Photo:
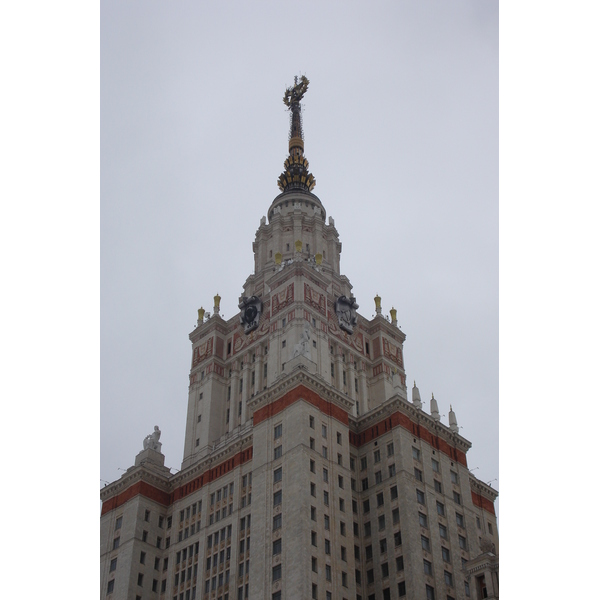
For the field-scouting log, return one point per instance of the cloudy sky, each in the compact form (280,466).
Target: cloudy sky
(401,131)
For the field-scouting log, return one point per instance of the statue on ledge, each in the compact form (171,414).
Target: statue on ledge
(151,441)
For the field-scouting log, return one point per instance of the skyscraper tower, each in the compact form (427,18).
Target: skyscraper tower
(307,472)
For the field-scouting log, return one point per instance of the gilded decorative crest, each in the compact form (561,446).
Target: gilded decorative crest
(345,309)
(294,94)
(251,309)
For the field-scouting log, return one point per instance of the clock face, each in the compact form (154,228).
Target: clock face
(250,314)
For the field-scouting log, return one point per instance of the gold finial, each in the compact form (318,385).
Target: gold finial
(201,312)
(319,258)
(298,245)
(294,94)
(393,313)
(217,302)
(278,258)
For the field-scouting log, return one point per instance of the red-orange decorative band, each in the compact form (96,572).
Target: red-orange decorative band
(166,499)
(300,392)
(397,418)
(479,500)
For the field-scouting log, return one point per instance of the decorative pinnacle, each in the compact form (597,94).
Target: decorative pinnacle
(296,174)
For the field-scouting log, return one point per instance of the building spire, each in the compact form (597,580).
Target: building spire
(296,175)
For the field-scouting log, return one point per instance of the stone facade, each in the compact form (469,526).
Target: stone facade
(307,472)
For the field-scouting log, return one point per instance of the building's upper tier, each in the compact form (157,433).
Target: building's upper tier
(296,231)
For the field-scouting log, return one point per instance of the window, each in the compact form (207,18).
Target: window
(365,484)
(276,596)
(366,506)
(478,522)
(376,456)
(422,520)
(363,463)
(392,470)
(395,516)
(324,430)
(324,452)
(340,482)
(277,572)
(453,477)
(437,485)
(116,543)
(429,592)
(118,523)
(390,449)
(314,591)
(344,581)
(277,547)
(445,554)
(344,554)
(399,563)
(467,589)
(427,567)
(277,498)
(418,475)
(379,499)
(277,431)
(313,538)
(111,586)
(370,576)
(448,578)
(420,497)
(369,552)
(378,477)
(312,466)
(462,542)
(381,522)
(277,474)
(435,465)
(397,538)
(326,498)
(313,513)
(314,564)
(385,572)
(325,475)
(140,580)
(394,492)
(338,436)
(311,422)
(276,522)
(368,529)
(113,565)
(313,490)
(327,547)
(402,589)
(277,452)
(456,497)
(416,453)
(460,520)
(443,532)
(312,443)
(425,543)
(343,528)
(383,546)
(490,529)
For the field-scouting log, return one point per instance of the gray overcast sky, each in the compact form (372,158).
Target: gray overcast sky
(401,131)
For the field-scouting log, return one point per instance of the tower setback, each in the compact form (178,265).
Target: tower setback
(307,472)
